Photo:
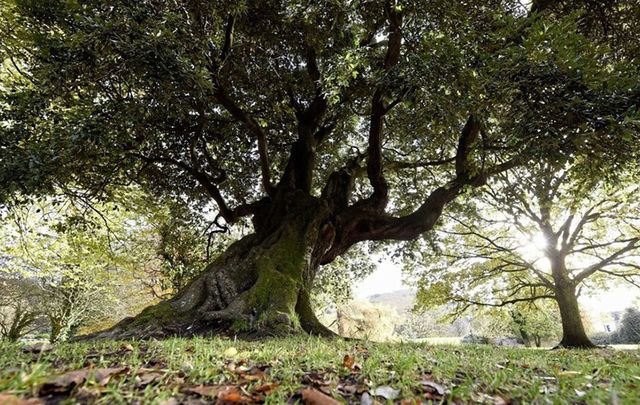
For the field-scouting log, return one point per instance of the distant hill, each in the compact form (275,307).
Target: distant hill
(400,300)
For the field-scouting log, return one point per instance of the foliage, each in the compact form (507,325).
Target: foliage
(83,263)
(532,229)
(18,316)
(534,325)
(177,96)
(381,112)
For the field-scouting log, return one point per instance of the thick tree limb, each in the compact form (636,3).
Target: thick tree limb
(298,173)
(588,217)
(228,40)
(255,129)
(469,136)
(362,222)
(230,215)
(375,167)
(236,111)
(502,303)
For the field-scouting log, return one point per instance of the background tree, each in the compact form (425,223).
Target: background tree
(18,309)
(539,235)
(327,123)
(75,264)
(629,329)
(364,320)
(534,325)
(180,244)
(431,323)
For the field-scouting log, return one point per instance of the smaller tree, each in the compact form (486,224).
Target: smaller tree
(533,324)
(78,262)
(540,233)
(72,301)
(431,323)
(18,310)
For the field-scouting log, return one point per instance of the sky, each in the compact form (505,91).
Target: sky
(386,278)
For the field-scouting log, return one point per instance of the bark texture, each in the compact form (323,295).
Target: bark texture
(261,284)
(573,332)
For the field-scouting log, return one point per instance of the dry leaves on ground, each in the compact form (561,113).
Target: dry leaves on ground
(312,396)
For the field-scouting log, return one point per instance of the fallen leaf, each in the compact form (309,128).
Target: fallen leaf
(411,402)
(127,347)
(348,361)
(103,375)
(311,396)
(348,389)
(169,401)
(13,400)
(265,388)
(386,392)
(146,377)
(254,374)
(203,390)
(500,400)
(432,387)
(64,382)
(366,399)
(86,395)
(316,379)
(232,395)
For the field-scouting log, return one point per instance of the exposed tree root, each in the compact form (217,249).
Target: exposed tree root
(308,320)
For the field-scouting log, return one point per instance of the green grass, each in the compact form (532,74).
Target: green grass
(469,374)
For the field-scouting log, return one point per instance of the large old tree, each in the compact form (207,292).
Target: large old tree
(326,123)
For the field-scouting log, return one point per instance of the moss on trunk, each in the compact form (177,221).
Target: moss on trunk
(259,285)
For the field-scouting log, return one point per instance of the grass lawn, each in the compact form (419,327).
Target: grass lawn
(311,370)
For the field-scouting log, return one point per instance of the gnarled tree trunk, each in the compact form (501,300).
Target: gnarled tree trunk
(260,284)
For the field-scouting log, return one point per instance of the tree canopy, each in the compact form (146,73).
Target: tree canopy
(328,123)
(228,100)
